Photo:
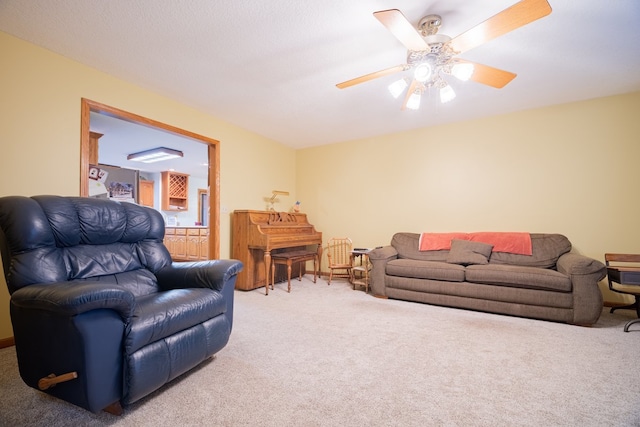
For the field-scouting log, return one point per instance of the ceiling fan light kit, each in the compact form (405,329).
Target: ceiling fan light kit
(396,88)
(446,93)
(433,56)
(413,103)
(422,72)
(462,71)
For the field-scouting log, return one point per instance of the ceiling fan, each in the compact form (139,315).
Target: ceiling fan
(430,55)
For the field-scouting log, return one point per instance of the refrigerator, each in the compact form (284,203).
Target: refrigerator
(113,182)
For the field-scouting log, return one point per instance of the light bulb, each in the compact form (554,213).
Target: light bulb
(422,72)
(462,71)
(446,94)
(397,87)
(413,103)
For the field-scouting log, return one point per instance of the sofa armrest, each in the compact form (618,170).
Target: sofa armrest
(73,298)
(585,273)
(573,263)
(379,258)
(213,274)
(385,253)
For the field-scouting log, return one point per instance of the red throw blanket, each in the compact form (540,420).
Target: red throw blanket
(510,242)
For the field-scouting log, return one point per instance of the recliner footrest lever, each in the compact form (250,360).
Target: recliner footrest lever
(53,379)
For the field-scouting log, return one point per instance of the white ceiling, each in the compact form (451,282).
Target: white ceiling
(271,66)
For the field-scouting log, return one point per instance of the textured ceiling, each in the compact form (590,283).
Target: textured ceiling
(271,66)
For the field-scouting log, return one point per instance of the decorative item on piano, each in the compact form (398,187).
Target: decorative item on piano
(271,200)
(296,207)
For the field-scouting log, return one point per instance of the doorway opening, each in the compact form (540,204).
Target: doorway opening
(213,220)
(203,206)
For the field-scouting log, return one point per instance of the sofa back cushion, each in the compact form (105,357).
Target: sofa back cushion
(407,246)
(546,249)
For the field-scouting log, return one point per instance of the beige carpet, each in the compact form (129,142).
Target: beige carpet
(331,356)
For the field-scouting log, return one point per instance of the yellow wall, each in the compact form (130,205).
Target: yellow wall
(569,169)
(40,96)
(555,169)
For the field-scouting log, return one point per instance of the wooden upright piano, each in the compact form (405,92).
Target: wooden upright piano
(257,233)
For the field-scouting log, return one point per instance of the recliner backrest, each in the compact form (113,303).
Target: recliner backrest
(54,239)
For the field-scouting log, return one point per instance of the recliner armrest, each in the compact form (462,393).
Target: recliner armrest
(72,298)
(211,274)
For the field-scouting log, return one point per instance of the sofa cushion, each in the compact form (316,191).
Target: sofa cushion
(434,270)
(517,276)
(511,242)
(439,241)
(546,249)
(466,252)
(407,245)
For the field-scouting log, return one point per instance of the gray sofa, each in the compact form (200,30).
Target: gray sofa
(551,284)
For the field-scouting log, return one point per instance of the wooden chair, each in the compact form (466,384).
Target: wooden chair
(624,279)
(339,256)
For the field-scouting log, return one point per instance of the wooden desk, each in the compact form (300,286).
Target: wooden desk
(627,276)
(624,275)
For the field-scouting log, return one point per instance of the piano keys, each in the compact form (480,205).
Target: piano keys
(255,234)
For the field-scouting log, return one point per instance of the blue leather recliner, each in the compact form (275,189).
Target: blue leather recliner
(101,315)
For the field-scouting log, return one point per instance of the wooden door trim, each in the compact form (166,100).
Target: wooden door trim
(88,106)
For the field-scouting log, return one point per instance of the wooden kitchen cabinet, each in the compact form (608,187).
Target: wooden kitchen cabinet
(146,193)
(175,191)
(193,244)
(204,243)
(94,147)
(187,243)
(175,239)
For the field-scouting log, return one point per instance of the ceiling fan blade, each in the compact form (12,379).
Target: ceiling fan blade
(371,76)
(396,22)
(516,16)
(412,88)
(489,76)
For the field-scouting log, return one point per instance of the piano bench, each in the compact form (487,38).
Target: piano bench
(288,258)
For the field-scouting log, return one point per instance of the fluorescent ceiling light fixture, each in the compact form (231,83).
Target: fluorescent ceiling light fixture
(462,71)
(446,94)
(397,87)
(155,155)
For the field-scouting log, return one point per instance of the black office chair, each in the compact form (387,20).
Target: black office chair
(626,274)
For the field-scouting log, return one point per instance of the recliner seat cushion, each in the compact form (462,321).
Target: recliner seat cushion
(138,282)
(517,276)
(163,314)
